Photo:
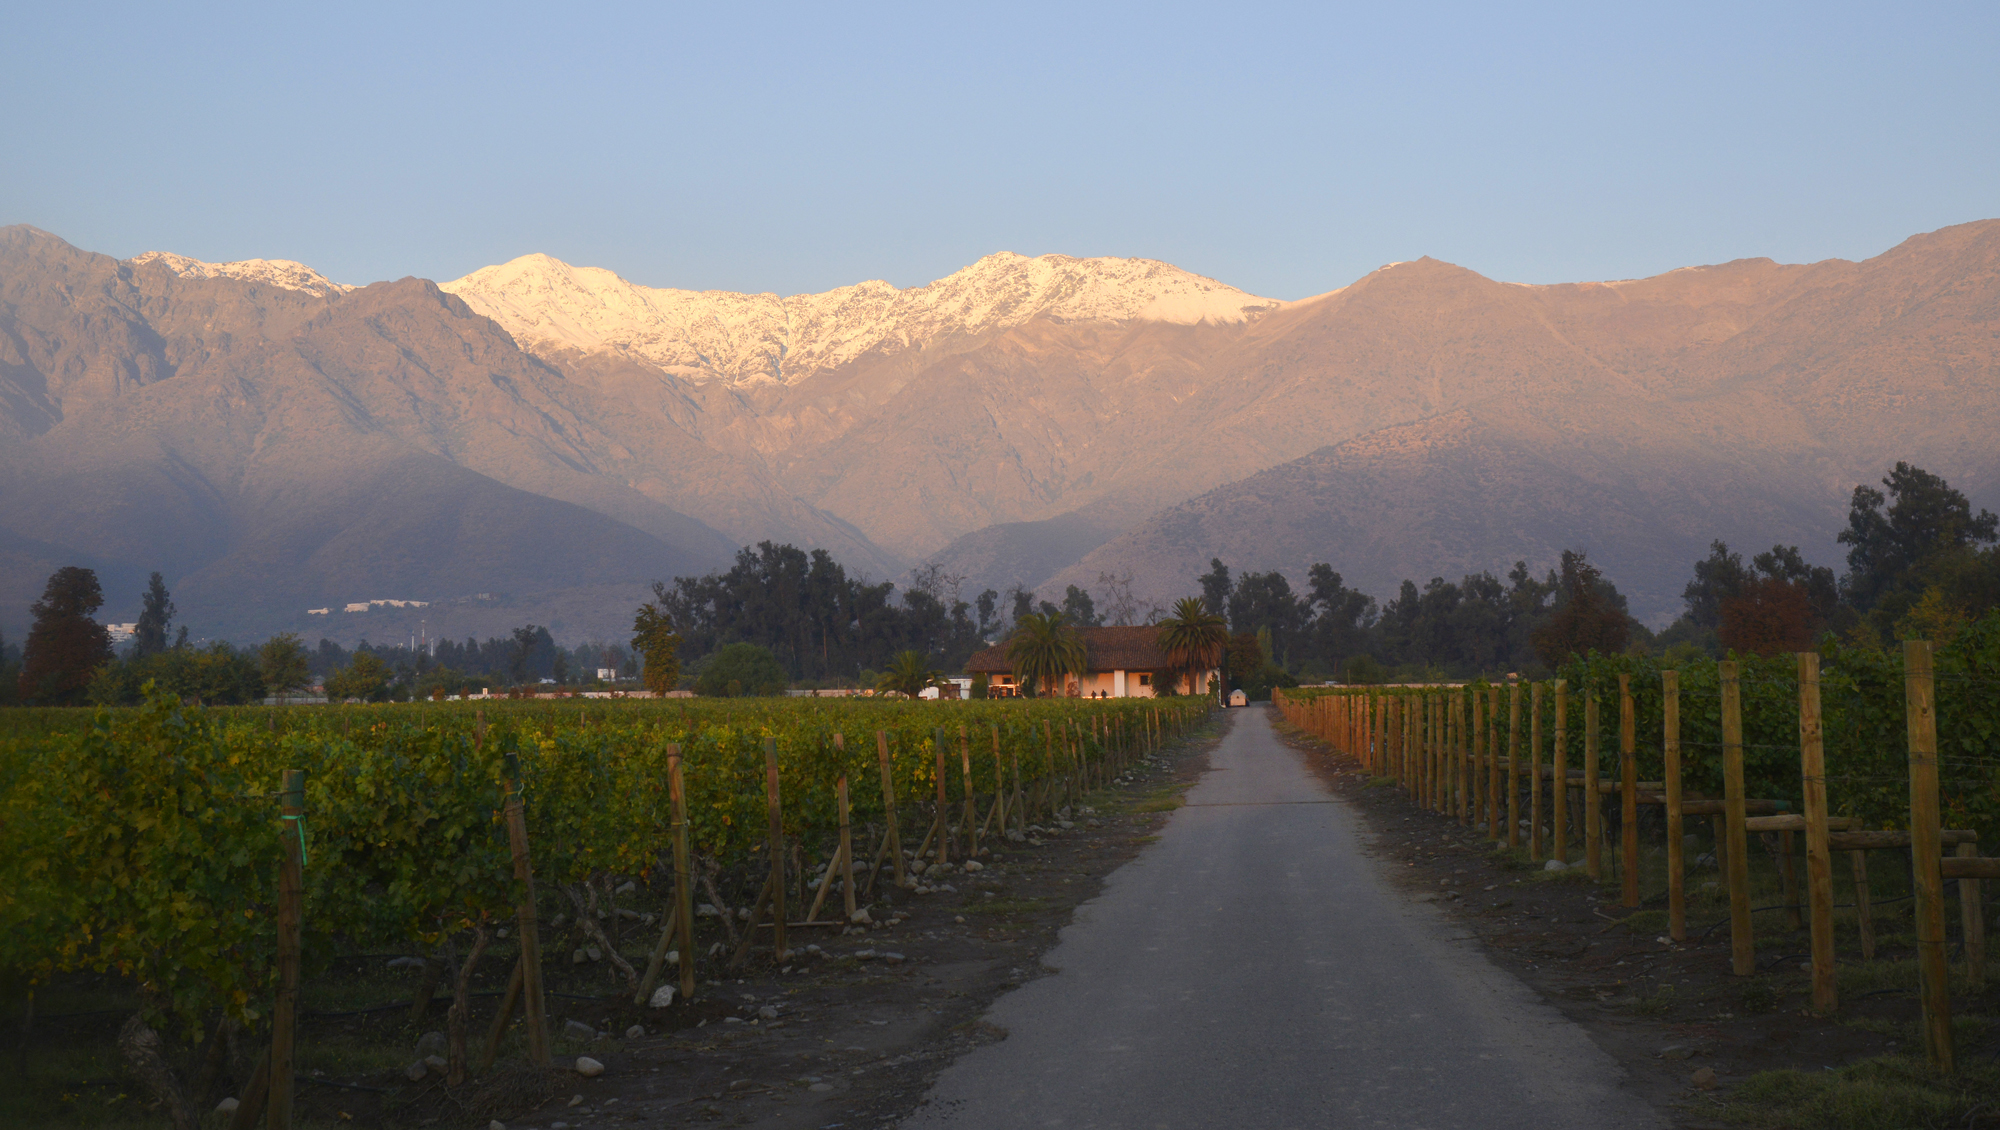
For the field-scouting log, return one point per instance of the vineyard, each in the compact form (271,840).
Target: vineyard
(1858,750)
(154,843)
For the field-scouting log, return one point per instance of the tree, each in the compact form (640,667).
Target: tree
(1589,615)
(282,662)
(1120,607)
(1767,616)
(1717,578)
(1078,608)
(909,673)
(1892,538)
(1215,587)
(1265,602)
(1044,649)
(740,669)
(65,645)
(654,638)
(1193,639)
(149,635)
(365,679)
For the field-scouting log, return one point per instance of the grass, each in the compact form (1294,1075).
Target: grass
(1889,1093)
(1004,907)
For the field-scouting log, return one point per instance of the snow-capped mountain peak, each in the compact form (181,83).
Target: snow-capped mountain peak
(284,273)
(549,305)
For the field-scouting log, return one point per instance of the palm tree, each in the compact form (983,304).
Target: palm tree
(1044,649)
(1193,637)
(910,672)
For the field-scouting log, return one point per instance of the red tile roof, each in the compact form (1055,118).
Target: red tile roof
(1106,649)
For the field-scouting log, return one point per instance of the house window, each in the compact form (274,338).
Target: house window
(1145,679)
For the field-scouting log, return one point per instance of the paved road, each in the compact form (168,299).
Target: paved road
(1252,969)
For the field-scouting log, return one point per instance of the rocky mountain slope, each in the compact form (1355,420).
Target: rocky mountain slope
(1033,421)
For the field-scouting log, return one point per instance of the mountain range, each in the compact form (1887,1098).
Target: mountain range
(536,441)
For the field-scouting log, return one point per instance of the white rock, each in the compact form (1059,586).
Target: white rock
(974,865)
(673,957)
(864,954)
(1555,865)
(893,958)
(436,1062)
(628,915)
(707,910)
(767,1012)
(227,1106)
(575,1101)
(578,1030)
(635,1031)
(431,1043)
(662,996)
(626,888)
(594,953)
(859,917)
(588,1067)
(822,1087)
(406,963)
(579,957)
(416,1071)
(496,1124)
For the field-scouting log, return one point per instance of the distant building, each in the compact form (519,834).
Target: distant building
(121,632)
(357,606)
(607,674)
(319,611)
(1118,663)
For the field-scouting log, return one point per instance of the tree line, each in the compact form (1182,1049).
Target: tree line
(1920,564)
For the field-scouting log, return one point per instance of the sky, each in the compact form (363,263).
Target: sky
(1283,149)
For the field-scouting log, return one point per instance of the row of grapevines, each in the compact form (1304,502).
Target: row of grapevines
(145,841)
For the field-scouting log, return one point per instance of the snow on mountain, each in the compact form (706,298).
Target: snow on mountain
(549,304)
(283,273)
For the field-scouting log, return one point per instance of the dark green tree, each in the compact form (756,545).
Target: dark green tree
(740,669)
(66,645)
(1194,640)
(1215,586)
(1920,534)
(156,614)
(282,663)
(909,673)
(1078,608)
(1589,615)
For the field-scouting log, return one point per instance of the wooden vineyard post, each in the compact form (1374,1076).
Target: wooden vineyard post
(1628,794)
(515,813)
(775,810)
(1461,770)
(1926,851)
(943,807)
(1493,773)
(1482,769)
(971,815)
(1972,922)
(291,912)
(683,871)
(1535,772)
(895,836)
(1670,752)
(1514,764)
(846,835)
(1000,776)
(1864,912)
(1819,852)
(1559,794)
(1019,810)
(1440,781)
(1742,944)
(1593,799)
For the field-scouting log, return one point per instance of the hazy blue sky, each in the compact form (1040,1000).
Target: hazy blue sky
(1283,149)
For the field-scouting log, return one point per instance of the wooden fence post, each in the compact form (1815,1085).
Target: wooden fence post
(1972,921)
(1514,764)
(1593,800)
(1742,943)
(846,837)
(1493,773)
(536,1002)
(683,871)
(1926,851)
(1462,758)
(291,912)
(1670,752)
(774,809)
(1628,793)
(1535,772)
(1819,854)
(1559,798)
